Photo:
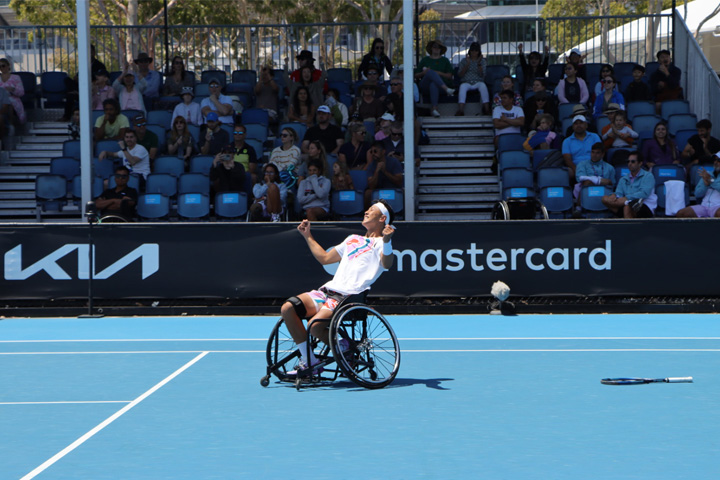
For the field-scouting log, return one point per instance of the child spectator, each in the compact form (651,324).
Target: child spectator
(572,89)
(637,90)
(508,118)
(314,192)
(618,133)
(341,179)
(188,109)
(542,138)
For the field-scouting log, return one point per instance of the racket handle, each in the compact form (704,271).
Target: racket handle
(679,380)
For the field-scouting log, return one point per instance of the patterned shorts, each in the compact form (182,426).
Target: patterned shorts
(326,299)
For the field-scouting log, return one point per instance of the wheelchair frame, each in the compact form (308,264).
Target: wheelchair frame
(371,361)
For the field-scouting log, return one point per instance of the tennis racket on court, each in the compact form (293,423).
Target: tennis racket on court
(642,381)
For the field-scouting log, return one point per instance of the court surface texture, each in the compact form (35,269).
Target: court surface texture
(476,397)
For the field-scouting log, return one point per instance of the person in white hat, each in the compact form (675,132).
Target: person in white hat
(578,146)
(383,130)
(188,109)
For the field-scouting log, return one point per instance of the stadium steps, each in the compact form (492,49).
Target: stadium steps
(456,179)
(40,142)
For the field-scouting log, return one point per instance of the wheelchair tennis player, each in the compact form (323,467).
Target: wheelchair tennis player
(362,260)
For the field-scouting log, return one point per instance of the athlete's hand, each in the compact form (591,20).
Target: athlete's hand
(387,232)
(304,228)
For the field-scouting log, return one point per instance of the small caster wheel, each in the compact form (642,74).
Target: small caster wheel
(298,382)
(265,381)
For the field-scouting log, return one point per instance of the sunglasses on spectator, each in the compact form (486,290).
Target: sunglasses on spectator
(240,132)
(284,135)
(632,161)
(395,84)
(269,172)
(120,175)
(3,65)
(395,134)
(372,73)
(363,132)
(141,124)
(379,47)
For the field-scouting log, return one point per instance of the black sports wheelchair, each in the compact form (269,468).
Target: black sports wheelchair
(371,358)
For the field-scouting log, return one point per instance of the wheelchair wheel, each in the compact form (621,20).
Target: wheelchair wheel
(373,357)
(279,347)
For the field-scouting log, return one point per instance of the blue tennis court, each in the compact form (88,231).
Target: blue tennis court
(477,396)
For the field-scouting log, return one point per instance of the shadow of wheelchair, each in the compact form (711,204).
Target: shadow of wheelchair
(345,384)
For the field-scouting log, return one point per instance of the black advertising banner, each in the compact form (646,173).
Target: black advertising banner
(433,259)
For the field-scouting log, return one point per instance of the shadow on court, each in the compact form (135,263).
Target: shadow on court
(434,383)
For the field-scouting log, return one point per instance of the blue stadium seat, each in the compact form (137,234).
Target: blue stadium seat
(160,117)
(650,68)
(517,183)
(639,108)
(153,206)
(51,192)
(244,76)
(202,90)
(553,177)
(71,148)
(558,201)
(52,88)
(601,122)
(162,183)
(514,158)
(255,115)
(68,167)
(645,123)
(591,200)
(555,73)
(106,146)
(169,164)
(510,141)
(360,180)
(258,146)
(695,173)
(201,164)
(681,121)
(133,182)
(682,137)
(565,110)
(29,81)
(230,205)
(131,114)
(348,204)
(623,69)
(592,73)
(494,72)
(103,168)
(395,197)
(218,75)
(343,75)
(673,107)
(193,206)
(539,155)
(161,133)
(194,132)
(342,87)
(620,171)
(256,131)
(97,188)
(663,173)
(193,183)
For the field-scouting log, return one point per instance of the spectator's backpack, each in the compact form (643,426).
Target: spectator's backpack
(552,159)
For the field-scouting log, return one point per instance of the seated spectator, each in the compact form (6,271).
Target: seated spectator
(702,146)
(508,83)
(383,172)
(665,81)
(375,57)
(177,79)
(339,114)
(101,90)
(581,110)
(472,77)
(707,189)
(179,140)
(572,88)
(331,136)
(607,96)
(536,107)
(606,70)
(315,152)
(212,137)
(72,97)
(153,79)
(112,125)
(634,195)
(395,144)
(217,103)
(188,109)
(74,126)
(435,74)
(637,90)
(266,92)
(270,196)
(660,149)
(341,179)
(534,67)
(394,103)
(594,171)
(577,147)
(145,137)
(305,57)
(367,107)
(121,200)
(508,118)
(129,93)
(243,153)
(134,156)
(618,134)
(355,152)
(576,57)
(287,156)
(382,129)
(315,87)
(314,192)
(301,108)
(544,137)
(227,175)
(374,77)
(14,87)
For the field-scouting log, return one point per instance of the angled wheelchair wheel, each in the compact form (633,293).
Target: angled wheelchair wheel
(372,358)
(281,350)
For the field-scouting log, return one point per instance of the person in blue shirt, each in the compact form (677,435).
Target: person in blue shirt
(634,196)
(607,96)
(591,172)
(576,148)
(153,79)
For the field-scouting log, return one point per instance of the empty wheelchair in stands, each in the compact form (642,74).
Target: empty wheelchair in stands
(371,357)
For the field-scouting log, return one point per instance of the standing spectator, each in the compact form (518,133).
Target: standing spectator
(128,93)
(243,153)
(472,75)
(14,86)
(660,149)
(594,171)
(367,106)
(383,172)
(355,152)
(305,57)
(708,188)
(145,137)
(227,175)
(270,196)
(217,103)
(377,57)
(177,78)
(535,67)
(212,138)
(508,83)
(112,125)
(153,79)
(179,141)
(572,89)
(315,88)
(314,192)
(577,147)
(701,147)
(188,109)
(609,95)
(331,136)
(634,195)
(435,73)
(134,156)
(266,92)
(507,118)
(101,90)
(287,155)
(301,108)
(341,179)
(120,200)
(665,81)
(637,90)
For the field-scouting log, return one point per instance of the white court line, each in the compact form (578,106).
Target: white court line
(69,402)
(110,419)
